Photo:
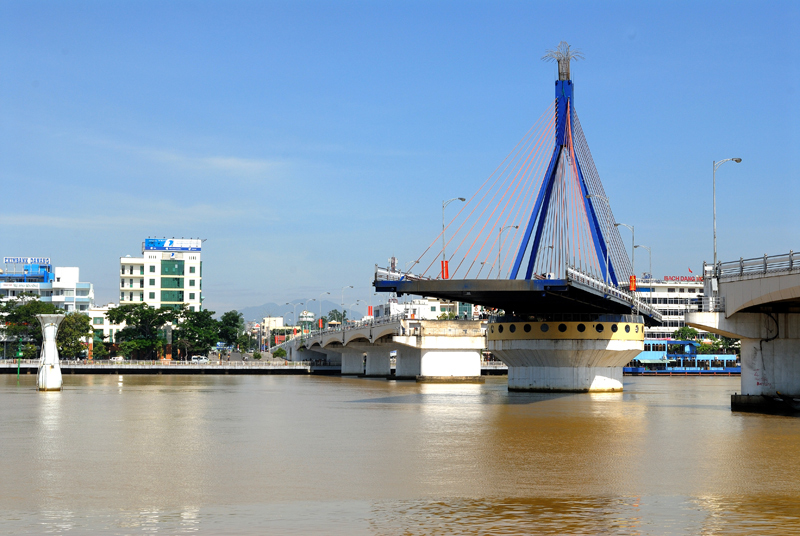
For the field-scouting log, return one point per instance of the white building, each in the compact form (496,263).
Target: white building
(673,297)
(168,274)
(60,285)
(424,309)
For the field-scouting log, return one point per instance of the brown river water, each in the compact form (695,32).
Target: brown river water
(317,455)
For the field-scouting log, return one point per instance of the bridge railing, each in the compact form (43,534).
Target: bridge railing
(785,262)
(624,295)
(387,274)
(711,304)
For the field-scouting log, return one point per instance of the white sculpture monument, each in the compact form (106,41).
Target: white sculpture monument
(49,376)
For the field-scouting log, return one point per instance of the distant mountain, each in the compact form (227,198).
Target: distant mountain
(287,311)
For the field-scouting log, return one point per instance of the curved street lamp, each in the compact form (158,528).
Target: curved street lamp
(716,165)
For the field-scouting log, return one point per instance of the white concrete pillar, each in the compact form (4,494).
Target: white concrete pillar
(353,362)
(378,363)
(49,376)
(566,356)
(447,364)
(409,363)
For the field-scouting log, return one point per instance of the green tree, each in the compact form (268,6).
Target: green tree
(20,318)
(336,316)
(685,333)
(280,352)
(72,332)
(30,351)
(141,332)
(231,325)
(196,332)
(99,350)
(243,342)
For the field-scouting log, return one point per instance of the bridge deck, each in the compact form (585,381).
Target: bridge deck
(523,297)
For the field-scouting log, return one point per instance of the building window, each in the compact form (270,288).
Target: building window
(171,295)
(152,269)
(171,282)
(191,282)
(152,295)
(152,282)
(171,267)
(191,269)
(191,295)
(98,320)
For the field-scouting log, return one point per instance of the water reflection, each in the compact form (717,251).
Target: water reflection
(248,455)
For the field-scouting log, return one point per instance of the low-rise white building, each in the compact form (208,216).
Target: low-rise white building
(59,285)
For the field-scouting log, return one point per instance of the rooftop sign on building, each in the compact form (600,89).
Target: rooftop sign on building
(172,244)
(26,260)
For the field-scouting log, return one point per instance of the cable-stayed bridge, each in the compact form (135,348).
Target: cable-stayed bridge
(538,237)
(560,273)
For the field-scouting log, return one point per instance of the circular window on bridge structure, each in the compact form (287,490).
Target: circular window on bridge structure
(599,328)
(627,329)
(581,328)
(512,328)
(545,328)
(562,328)
(527,328)
(500,328)
(614,328)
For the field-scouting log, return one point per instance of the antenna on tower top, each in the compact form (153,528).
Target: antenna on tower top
(562,54)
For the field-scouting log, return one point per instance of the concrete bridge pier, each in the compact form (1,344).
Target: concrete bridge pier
(378,363)
(441,352)
(352,362)
(770,356)
(408,364)
(566,356)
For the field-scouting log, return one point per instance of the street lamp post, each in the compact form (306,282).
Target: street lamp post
(320,305)
(605,239)
(348,286)
(444,204)
(500,244)
(650,273)
(714,194)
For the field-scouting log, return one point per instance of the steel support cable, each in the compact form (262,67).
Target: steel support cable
(516,221)
(534,150)
(590,244)
(593,183)
(545,135)
(522,175)
(535,187)
(531,134)
(620,259)
(489,203)
(540,162)
(517,149)
(481,187)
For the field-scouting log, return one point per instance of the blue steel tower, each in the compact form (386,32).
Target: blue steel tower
(563,152)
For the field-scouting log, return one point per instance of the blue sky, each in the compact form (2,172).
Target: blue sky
(308,141)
